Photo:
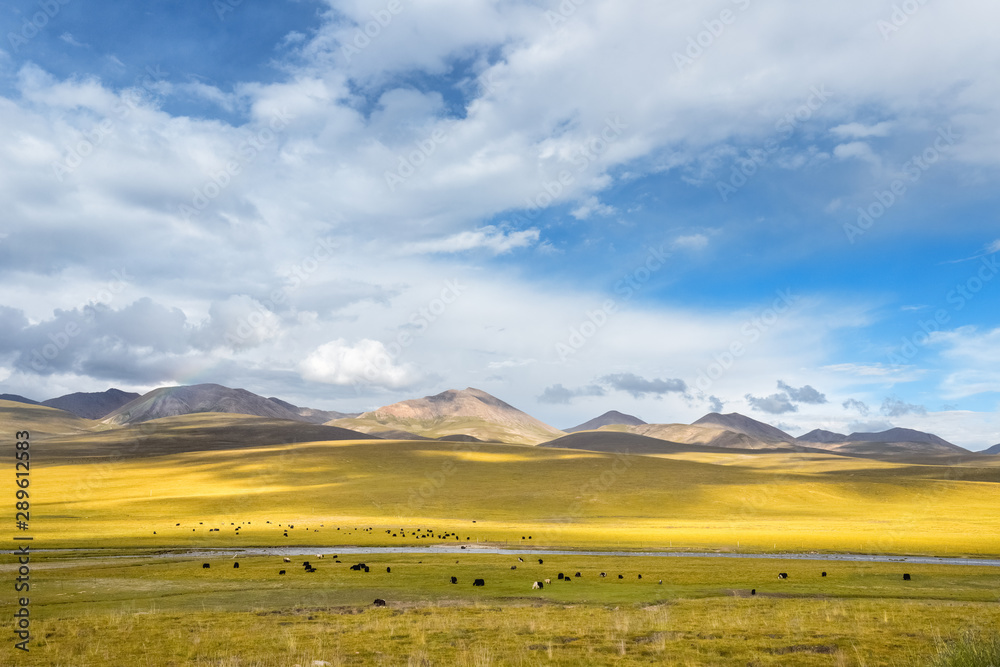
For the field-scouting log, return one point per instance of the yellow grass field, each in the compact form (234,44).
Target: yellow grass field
(114,496)
(503,493)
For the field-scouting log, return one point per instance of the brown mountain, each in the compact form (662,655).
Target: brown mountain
(312,415)
(92,405)
(174,401)
(455,412)
(607,419)
(891,442)
(738,423)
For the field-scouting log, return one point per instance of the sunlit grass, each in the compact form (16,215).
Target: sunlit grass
(559,498)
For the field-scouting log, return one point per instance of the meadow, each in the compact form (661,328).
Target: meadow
(116,496)
(172,611)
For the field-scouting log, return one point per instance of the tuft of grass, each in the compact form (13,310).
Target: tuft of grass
(975,648)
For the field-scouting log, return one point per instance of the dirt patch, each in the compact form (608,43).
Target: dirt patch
(804,648)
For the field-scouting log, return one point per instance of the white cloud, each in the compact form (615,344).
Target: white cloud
(861,131)
(691,242)
(974,356)
(69,39)
(591,206)
(489,238)
(856,149)
(876,372)
(367,362)
(212,94)
(509,363)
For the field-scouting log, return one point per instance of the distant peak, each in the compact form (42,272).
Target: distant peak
(609,418)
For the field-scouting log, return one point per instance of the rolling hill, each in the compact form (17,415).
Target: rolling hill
(995,449)
(709,436)
(607,419)
(624,442)
(203,432)
(41,420)
(469,411)
(92,405)
(14,398)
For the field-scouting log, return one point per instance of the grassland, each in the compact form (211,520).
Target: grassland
(172,611)
(118,490)
(503,493)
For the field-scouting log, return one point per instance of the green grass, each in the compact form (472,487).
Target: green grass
(978,648)
(133,611)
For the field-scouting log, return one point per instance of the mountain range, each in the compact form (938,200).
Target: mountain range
(473,415)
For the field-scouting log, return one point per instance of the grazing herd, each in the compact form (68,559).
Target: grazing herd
(417,533)
(480,582)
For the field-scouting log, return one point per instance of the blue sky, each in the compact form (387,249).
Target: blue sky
(576,206)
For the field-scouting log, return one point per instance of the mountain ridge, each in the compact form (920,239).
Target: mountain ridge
(92,405)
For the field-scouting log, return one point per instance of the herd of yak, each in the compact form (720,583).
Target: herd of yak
(537,585)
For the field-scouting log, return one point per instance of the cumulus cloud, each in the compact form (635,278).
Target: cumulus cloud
(638,386)
(239,322)
(858,406)
(804,394)
(558,394)
(775,404)
(715,404)
(75,340)
(367,362)
(893,407)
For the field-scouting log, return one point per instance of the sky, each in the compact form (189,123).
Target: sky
(782,209)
